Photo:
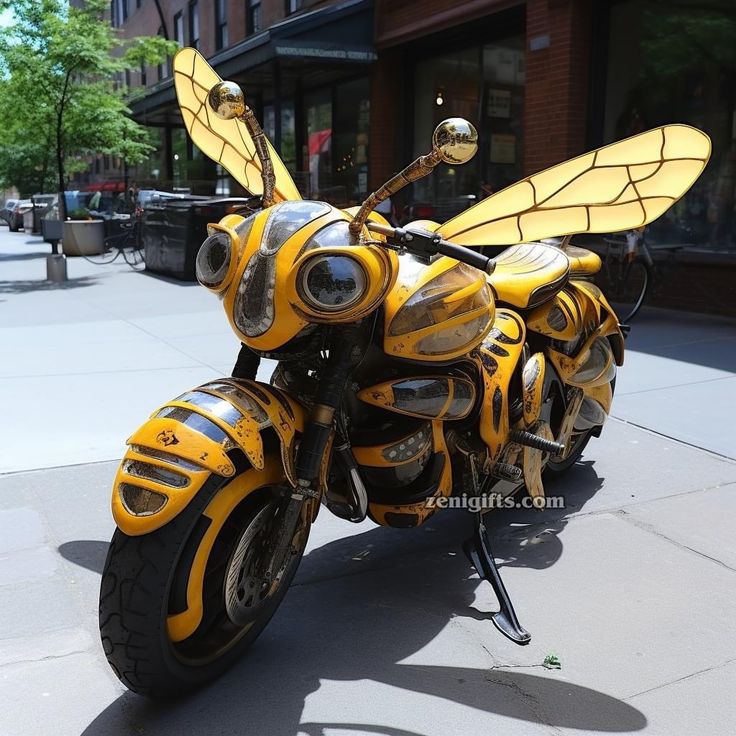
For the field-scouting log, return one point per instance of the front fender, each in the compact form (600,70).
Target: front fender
(187,440)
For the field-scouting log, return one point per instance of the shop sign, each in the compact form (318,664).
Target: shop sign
(499,103)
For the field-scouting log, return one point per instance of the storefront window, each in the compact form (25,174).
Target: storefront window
(337,141)
(668,65)
(351,122)
(485,85)
(318,106)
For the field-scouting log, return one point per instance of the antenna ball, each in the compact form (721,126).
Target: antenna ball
(227,100)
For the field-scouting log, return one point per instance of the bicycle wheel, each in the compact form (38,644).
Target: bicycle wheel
(630,289)
(110,251)
(134,256)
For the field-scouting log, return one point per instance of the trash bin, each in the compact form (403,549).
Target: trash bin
(173,230)
(51,231)
(28,221)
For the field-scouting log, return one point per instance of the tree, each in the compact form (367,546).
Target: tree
(62,95)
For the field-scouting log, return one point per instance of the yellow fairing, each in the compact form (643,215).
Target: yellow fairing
(285,313)
(562,318)
(419,512)
(436,312)
(583,262)
(499,355)
(532,386)
(172,455)
(425,397)
(184,624)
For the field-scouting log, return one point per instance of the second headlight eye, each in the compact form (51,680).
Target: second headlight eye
(213,260)
(332,283)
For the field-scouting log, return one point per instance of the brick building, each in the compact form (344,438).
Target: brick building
(350,90)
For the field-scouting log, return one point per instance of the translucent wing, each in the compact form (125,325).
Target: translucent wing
(225,141)
(618,187)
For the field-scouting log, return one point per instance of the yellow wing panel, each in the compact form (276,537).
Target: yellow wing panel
(225,141)
(618,187)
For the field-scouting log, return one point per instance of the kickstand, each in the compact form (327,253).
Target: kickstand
(478,551)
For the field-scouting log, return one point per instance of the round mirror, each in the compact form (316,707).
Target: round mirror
(456,140)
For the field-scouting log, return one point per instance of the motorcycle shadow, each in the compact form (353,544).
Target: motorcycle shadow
(359,608)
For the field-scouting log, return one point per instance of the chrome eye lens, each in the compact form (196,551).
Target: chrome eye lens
(213,260)
(332,283)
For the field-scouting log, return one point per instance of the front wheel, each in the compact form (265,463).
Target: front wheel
(179,605)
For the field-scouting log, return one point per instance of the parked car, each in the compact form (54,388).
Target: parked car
(6,209)
(15,219)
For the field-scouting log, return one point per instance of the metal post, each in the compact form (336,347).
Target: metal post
(56,267)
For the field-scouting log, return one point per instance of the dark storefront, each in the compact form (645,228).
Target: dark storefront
(476,72)
(664,65)
(307,78)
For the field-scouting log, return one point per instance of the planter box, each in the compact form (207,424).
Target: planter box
(83,237)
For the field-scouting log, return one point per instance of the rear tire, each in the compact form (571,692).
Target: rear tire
(630,293)
(139,588)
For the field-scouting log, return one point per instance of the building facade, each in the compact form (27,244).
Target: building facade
(349,91)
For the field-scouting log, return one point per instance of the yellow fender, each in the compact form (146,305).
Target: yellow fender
(186,441)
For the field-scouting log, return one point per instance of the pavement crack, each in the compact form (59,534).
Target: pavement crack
(625,516)
(34,660)
(680,679)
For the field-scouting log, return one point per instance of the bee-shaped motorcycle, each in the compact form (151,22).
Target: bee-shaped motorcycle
(411,369)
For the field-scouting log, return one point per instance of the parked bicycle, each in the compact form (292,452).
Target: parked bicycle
(628,270)
(128,243)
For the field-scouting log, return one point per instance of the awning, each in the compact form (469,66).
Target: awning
(341,33)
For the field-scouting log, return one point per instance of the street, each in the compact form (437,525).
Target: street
(631,585)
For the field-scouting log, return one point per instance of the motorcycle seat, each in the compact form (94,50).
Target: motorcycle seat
(583,262)
(529,274)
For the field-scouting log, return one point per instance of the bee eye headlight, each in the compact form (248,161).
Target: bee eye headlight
(213,260)
(332,283)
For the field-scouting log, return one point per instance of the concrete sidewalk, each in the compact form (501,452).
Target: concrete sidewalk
(631,585)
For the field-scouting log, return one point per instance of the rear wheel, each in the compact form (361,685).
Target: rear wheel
(630,290)
(212,560)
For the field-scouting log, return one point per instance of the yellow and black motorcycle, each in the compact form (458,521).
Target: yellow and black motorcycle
(413,371)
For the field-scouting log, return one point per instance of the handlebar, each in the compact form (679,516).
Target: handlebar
(426,244)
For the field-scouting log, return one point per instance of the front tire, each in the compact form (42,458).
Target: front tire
(146,581)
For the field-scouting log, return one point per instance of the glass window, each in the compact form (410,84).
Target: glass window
(292,6)
(318,109)
(253,17)
(220,24)
(288,135)
(351,122)
(194,24)
(669,65)
(485,85)
(179,28)
(163,67)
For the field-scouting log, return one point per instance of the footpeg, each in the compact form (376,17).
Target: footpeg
(506,471)
(522,437)
(478,551)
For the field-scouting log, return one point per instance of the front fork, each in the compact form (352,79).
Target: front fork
(346,349)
